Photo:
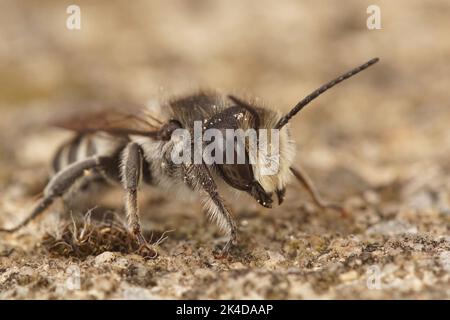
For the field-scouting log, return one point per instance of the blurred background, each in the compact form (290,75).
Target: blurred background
(396,113)
(381,138)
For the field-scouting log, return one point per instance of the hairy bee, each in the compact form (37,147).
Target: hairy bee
(132,150)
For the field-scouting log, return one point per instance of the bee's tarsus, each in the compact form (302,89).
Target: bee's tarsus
(42,205)
(227,247)
(147,251)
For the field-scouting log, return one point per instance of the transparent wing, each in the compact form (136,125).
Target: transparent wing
(112,121)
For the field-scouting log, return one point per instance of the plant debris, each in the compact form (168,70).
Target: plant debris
(83,239)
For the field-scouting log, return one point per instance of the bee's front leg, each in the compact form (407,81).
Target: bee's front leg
(199,177)
(131,176)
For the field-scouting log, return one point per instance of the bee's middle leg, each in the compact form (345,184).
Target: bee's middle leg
(131,177)
(303,178)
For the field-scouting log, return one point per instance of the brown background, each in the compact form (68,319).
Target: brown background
(379,143)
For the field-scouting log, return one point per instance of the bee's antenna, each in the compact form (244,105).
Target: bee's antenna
(285,119)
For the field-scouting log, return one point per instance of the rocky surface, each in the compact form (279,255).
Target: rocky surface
(379,144)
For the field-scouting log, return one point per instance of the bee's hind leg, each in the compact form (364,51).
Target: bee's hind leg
(132,164)
(303,178)
(59,185)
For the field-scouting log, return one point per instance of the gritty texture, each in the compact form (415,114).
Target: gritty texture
(379,144)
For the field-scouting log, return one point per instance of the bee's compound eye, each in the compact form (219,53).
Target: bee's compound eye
(239,176)
(166,130)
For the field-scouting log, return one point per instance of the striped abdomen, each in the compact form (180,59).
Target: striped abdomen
(84,146)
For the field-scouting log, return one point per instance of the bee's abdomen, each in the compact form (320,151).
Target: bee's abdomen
(73,150)
(84,146)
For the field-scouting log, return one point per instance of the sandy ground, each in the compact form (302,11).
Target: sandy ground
(379,144)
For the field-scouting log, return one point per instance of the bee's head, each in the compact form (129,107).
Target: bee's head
(267,153)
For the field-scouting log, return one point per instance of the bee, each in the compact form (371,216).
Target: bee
(131,150)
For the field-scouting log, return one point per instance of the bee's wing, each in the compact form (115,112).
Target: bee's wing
(112,121)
